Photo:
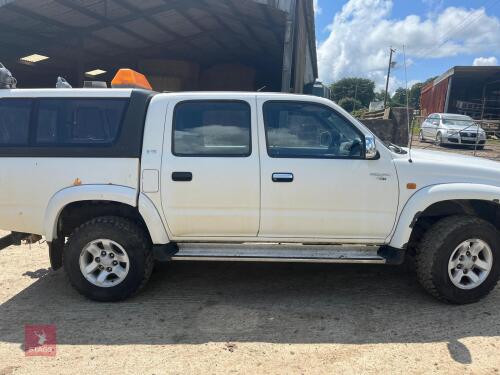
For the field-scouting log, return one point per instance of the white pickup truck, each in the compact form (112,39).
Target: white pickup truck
(116,178)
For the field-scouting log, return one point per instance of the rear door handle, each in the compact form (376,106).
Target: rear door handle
(282,177)
(182,176)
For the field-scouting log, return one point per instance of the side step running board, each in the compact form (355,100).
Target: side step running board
(253,252)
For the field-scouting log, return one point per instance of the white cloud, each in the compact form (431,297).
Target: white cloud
(317,8)
(361,33)
(434,6)
(485,61)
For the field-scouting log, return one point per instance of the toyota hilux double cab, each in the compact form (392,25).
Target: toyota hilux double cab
(116,178)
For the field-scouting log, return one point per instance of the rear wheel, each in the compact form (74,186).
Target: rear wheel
(108,258)
(458,259)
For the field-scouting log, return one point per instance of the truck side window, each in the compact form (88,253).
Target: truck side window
(212,128)
(14,121)
(79,121)
(309,130)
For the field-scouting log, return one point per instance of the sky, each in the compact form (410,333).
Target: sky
(354,37)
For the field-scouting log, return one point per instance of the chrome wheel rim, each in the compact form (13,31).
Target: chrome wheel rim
(421,136)
(104,263)
(470,264)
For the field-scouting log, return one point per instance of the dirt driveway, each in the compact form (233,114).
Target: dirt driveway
(207,318)
(244,318)
(491,150)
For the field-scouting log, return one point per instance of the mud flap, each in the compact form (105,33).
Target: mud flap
(55,253)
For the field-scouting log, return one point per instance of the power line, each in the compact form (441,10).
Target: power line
(453,30)
(457,28)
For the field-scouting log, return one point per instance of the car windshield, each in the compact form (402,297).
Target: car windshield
(459,121)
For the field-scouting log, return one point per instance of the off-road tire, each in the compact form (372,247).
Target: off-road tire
(133,239)
(436,247)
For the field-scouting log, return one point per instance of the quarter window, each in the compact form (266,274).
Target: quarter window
(309,130)
(79,121)
(212,128)
(14,121)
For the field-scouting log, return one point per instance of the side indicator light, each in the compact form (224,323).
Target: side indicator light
(411,186)
(128,78)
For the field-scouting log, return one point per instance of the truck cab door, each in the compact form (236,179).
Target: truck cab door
(315,180)
(210,176)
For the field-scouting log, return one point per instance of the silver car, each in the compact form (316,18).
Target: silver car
(452,129)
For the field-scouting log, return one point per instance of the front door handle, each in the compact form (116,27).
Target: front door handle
(182,176)
(282,177)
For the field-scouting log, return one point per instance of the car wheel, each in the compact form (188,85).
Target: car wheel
(480,148)
(458,259)
(108,258)
(421,136)
(439,139)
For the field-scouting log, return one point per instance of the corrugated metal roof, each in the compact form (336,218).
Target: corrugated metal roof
(107,27)
(478,71)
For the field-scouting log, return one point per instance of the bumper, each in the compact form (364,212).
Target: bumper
(468,141)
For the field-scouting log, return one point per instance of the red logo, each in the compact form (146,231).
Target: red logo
(40,340)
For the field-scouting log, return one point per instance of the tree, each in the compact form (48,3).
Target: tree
(399,98)
(350,104)
(379,96)
(415,95)
(360,88)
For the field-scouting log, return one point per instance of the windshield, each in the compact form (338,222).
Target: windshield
(458,122)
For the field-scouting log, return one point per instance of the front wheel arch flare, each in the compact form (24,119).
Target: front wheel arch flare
(427,196)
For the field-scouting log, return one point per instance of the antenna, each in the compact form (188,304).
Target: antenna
(410,126)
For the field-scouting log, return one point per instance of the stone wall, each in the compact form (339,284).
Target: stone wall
(394,129)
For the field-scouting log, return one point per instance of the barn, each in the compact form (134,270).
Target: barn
(266,45)
(467,90)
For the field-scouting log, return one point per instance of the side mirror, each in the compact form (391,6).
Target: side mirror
(371,152)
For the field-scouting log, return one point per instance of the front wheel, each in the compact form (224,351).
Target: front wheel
(108,258)
(439,139)
(458,259)
(421,137)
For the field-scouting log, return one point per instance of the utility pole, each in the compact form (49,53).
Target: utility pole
(388,75)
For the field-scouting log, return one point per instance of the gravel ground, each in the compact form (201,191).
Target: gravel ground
(491,150)
(245,318)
